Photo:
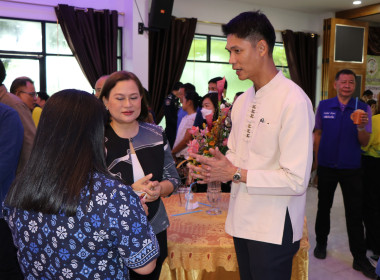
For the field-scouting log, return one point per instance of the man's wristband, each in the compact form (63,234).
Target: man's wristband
(360,128)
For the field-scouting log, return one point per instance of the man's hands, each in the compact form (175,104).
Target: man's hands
(216,168)
(363,135)
(364,121)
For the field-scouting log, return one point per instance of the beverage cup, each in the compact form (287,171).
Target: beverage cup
(356,116)
(182,190)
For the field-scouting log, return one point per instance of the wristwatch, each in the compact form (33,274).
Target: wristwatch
(237,176)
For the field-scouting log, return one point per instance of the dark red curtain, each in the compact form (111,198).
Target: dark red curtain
(92,37)
(301,54)
(168,51)
(374,41)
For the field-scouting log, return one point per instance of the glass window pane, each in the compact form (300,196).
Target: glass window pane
(16,67)
(118,42)
(199,73)
(20,35)
(198,50)
(55,40)
(63,73)
(279,55)
(119,64)
(285,71)
(218,49)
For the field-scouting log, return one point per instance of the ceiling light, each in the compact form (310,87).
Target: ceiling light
(357,2)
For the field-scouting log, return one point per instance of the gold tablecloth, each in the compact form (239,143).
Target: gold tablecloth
(199,248)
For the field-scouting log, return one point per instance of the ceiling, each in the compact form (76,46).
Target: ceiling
(311,6)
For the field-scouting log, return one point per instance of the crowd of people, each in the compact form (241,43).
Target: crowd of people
(83,175)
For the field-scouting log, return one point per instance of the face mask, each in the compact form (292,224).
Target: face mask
(205,112)
(211,91)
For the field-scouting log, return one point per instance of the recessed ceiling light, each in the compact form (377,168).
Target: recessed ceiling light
(357,2)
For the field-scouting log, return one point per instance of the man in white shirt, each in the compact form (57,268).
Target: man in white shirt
(269,157)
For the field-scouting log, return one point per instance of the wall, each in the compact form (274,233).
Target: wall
(135,51)
(221,11)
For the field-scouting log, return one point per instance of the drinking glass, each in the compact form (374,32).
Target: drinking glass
(214,195)
(182,190)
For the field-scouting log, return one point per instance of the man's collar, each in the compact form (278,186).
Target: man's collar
(337,103)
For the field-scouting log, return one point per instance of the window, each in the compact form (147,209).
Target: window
(208,58)
(38,50)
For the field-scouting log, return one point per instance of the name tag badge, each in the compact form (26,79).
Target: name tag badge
(329,115)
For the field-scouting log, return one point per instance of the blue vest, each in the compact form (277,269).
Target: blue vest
(339,146)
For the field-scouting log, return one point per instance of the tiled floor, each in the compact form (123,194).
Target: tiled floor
(338,263)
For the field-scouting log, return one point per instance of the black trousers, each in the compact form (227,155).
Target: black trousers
(371,202)
(155,275)
(265,261)
(352,190)
(9,267)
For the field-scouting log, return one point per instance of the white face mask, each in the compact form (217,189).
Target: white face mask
(211,91)
(205,112)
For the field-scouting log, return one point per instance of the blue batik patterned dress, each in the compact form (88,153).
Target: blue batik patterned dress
(109,234)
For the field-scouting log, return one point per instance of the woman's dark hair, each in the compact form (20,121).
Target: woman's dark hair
(213,96)
(119,76)
(68,148)
(194,97)
(253,26)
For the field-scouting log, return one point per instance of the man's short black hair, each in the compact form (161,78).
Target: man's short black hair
(367,92)
(253,26)
(3,73)
(344,72)
(177,85)
(188,87)
(216,79)
(43,95)
(19,82)
(371,102)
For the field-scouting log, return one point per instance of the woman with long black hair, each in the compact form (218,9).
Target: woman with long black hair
(69,217)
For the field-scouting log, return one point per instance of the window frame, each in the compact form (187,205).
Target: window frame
(41,56)
(208,50)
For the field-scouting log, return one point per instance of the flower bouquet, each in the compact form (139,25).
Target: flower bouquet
(215,133)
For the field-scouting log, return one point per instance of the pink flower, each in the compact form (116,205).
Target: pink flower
(225,140)
(204,132)
(194,130)
(225,111)
(193,146)
(209,121)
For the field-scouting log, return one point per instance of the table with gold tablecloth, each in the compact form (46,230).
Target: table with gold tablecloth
(199,247)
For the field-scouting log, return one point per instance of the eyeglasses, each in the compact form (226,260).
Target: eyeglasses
(96,90)
(32,94)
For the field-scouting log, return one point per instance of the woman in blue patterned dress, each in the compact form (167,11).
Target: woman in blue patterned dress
(69,218)
(138,152)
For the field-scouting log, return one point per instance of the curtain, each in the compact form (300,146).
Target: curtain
(168,51)
(374,41)
(92,37)
(301,54)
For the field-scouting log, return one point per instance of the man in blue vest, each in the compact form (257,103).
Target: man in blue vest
(337,142)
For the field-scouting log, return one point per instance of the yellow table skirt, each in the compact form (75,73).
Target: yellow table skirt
(199,248)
